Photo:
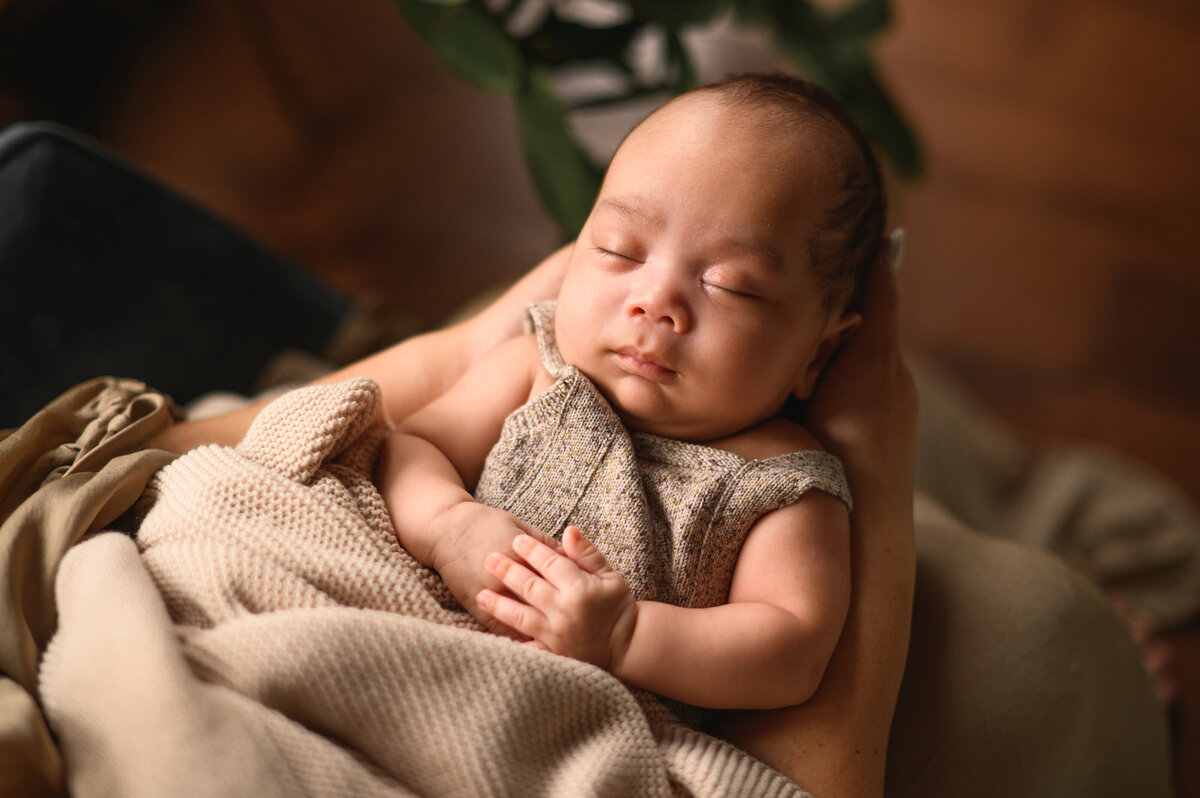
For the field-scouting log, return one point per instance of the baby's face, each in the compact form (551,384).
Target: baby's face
(689,299)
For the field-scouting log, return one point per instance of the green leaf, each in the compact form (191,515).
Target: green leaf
(797,22)
(469,42)
(848,71)
(677,13)
(557,41)
(837,60)
(752,12)
(802,21)
(862,19)
(870,105)
(680,72)
(563,173)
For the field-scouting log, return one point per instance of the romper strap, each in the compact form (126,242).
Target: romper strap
(824,472)
(541,318)
(790,476)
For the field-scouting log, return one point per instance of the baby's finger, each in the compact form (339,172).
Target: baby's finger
(494,626)
(517,615)
(539,535)
(556,568)
(583,552)
(524,583)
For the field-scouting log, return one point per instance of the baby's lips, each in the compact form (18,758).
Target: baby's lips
(644,362)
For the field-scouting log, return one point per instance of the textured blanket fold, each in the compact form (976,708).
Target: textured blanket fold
(267,635)
(72,468)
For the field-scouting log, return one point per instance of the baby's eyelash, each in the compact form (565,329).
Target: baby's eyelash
(618,256)
(608,253)
(731,291)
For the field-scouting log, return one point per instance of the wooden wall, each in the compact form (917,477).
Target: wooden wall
(1055,257)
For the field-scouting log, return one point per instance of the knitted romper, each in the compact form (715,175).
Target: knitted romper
(670,516)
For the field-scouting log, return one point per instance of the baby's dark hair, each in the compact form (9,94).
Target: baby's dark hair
(851,234)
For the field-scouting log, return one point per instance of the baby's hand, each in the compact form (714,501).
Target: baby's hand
(466,534)
(571,603)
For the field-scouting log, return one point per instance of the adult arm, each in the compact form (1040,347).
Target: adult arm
(864,411)
(411,373)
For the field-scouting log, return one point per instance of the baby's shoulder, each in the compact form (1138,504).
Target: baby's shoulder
(522,356)
(519,353)
(513,362)
(771,438)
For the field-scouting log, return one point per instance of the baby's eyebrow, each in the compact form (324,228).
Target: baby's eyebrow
(759,251)
(632,211)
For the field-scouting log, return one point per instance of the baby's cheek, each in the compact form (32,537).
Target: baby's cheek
(577,341)
(567,337)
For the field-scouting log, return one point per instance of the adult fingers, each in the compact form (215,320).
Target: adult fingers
(864,406)
(880,312)
(893,249)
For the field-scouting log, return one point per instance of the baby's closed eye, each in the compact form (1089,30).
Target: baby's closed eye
(731,283)
(615,254)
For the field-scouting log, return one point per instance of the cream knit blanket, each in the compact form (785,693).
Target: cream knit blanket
(268,636)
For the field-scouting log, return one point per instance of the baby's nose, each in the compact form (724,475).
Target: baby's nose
(659,302)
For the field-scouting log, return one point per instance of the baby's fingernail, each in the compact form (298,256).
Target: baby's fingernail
(492,560)
(522,542)
(483,598)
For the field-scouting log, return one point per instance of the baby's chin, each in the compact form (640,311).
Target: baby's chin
(647,406)
(672,425)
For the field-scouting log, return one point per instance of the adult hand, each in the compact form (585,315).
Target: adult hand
(864,408)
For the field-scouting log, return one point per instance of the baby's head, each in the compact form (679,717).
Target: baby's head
(719,268)
(846,241)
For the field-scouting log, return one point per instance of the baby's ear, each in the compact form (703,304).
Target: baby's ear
(837,331)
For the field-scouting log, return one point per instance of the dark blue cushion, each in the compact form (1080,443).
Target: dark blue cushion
(105,271)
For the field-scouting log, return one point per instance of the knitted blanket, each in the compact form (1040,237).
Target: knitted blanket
(267,635)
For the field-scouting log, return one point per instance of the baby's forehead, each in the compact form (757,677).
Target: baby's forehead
(784,133)
(796,118)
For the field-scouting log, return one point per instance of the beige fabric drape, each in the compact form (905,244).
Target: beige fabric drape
(73,468)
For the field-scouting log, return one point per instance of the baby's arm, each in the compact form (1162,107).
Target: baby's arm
(429,463)
(768,647)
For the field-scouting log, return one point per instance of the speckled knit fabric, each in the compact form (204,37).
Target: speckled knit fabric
(267,636)
(670,516)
